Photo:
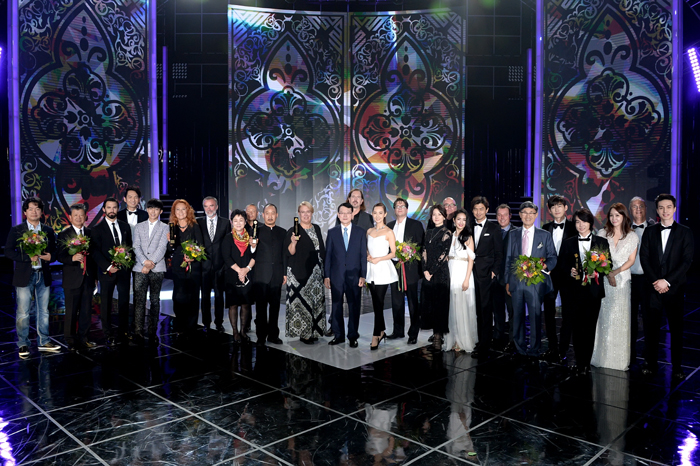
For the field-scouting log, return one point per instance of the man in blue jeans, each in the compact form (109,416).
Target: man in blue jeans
(32,281)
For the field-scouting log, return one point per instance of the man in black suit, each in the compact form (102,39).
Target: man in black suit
(488,241)
(132,214)
(79,280)
(560,228)
(109,233)
(214,229)
(269,277)
(502,302)
(32,280)
(360,216)
(406,229)
(666,254)
(640,222)
(581,304)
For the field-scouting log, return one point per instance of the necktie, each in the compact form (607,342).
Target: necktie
(345,237)
(666,228)
(211,229)
(503,233)
(81,232)
(114,232)
(130,212)
(558,225)
(525,242)
(478,225)
(638,226)
(585,239)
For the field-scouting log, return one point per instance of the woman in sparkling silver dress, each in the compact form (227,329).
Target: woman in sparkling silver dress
(612,338)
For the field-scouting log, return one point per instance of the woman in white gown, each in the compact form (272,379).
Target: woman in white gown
(462,315)
(612,336)
(381,248)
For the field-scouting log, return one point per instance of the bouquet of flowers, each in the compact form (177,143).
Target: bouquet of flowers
(406,253)
(78,245)
(122,257)
(33,243)
(192,251)
(596,262)
(529,269)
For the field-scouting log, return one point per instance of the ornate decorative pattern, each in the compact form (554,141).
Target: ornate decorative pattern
(607,101)
(84,90)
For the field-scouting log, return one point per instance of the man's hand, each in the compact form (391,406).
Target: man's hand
(145,270)
(77,257)
(493,275)
(427,275)
(327,283)
(150,264)
(284,280)
(661,286)
(362,282)
(45,257)
(508,289)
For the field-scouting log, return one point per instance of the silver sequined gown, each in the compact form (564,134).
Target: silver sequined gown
(612,336)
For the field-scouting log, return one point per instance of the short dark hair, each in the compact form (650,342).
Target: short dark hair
(32,200)
(503,206)
(529,205)
(665,197)
(400,199)
(237,212)
(134,189)
(347,205)
(157,203)
(270,205)
(556,200)
(79,206)
(480,200)
(109,199)
(584,215)
(440,208)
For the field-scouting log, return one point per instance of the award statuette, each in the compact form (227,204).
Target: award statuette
(296,226)
(579,272)
(255,229)
(172,233)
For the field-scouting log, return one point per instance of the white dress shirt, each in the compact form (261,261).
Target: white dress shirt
(78,231)
(664,237)
(530,239)
(111,229)
(584,247)
(151,226)
(399,229)
(133,219)
(636,268)
(558,235)
(478,231)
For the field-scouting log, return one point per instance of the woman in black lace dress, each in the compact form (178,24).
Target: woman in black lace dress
(436,282)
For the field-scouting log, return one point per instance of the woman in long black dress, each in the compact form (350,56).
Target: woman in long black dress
(306,309)
(238,250)
(186,284)
(436,283)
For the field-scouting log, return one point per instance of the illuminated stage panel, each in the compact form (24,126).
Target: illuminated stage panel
(84,99)
(608,104)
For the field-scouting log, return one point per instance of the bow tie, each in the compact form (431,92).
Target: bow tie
(130,212)
(559,225)
(478,225)
(666,228)
(638,226)
(585,239)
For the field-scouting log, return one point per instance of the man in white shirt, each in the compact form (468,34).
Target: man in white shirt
(132,214)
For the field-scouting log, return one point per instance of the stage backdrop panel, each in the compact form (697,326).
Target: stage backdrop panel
(84,102)
(607,101)
(324,103)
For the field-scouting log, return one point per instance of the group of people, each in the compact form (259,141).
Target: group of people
(470,295)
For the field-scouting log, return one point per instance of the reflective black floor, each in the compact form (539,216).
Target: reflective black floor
(205,401)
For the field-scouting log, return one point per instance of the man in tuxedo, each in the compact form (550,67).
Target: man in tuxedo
(503,334)
(32,280)
(132,214)
(269,277)
(345,272)
(406,229)
(533,242)
(214,229)
(580,303)
(79,281)
(638,209)
(560,228)
(150,247)
(488,241)
(109,233)
(666,254)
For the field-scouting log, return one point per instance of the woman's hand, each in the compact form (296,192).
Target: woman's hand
(611,280)
(465,285)
(295,239)
(427,275)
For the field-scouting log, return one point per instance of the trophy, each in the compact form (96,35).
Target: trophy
(296,226)
(172,233)
(579,272)
(255,229)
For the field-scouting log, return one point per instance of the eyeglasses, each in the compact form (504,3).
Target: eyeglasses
(450,205)
(528,213)
(401,206)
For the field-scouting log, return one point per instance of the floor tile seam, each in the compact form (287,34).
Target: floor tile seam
(319,404)
(226,405)
(595,457)
(258,449)
(394,434)
(268,445)
(437,449)
(106,397)
(642,412)
(49,457)
(56,423)
(469,431)
(409,388)
(423,455)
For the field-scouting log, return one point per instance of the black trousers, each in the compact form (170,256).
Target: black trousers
(213,280)
(673,305)
(142,283)
(583,310)
(484,311)
(398,309)
(502,303)
(123,285)
(267,310)
(378,293)
(550,317)
(78,310)
(638,299)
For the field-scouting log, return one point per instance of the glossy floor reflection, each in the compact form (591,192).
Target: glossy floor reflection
(205,401)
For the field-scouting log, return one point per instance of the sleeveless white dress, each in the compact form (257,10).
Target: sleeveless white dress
(612,334)
(384,272)
(462,315)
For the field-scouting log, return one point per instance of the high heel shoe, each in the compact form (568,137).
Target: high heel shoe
(383,337)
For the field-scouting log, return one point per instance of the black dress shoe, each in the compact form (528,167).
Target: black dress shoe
(336,341)
(306,341)
(220,328)
(412,340)
(353,343)
(260,342)
(329,333)
(276,341)
(394,336)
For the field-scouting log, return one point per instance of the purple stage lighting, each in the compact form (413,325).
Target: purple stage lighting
(695,65)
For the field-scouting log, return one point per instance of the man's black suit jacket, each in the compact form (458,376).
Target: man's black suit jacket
(413,231)
(72,273)
(23,264)
(215,260)
(569,231)
(489,252)
(103,241)
(270,262)
(672,265)
(567,259)
(141,215)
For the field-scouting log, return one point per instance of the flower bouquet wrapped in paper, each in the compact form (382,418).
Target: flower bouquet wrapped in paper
(33,243)
(596,263)
(122,257)
(79,244)
(406,253)
(529,269)
(193,251)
